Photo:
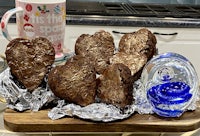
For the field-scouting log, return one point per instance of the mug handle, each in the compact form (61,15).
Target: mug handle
(5,19)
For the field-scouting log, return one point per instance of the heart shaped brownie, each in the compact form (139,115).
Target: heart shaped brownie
(29,60)
(75,81)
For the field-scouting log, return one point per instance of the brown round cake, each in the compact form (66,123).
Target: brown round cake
(99,47)
(29,60)
(75,81)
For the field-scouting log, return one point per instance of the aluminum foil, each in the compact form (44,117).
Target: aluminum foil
(104,112)
(95,112)
(20,99)
(107,113)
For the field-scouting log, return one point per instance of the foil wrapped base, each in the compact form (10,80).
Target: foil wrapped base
(21,99)
(95,112)
(104,112)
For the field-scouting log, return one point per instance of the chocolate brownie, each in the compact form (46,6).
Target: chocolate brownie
(115,86)
(99,47)
(30,60)
(142,41)
(134,62)
(75,81)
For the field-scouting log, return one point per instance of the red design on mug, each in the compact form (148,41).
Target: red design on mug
(2,25)
(26,17)
(59,46)
(29,30)
(29,7)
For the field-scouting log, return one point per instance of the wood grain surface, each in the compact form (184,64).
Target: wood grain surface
(30,121)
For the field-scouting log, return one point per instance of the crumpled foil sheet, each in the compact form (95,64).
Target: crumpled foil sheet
(107,113)
(95,112)
(20,99)
(104,112)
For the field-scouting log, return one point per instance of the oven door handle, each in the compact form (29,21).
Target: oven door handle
(156,33)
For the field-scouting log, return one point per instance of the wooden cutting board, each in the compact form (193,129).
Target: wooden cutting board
(39,122)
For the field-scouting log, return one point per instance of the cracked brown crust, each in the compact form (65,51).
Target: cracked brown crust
(99,47)
(115,85)
(117,71)
(142,41)
(135,62)
(75,81)
(29,60)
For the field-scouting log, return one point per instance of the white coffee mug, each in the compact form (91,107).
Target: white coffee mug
(34,18)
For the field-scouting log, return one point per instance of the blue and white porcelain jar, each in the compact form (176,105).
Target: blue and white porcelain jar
(171,84)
